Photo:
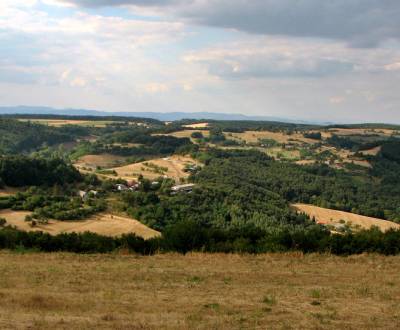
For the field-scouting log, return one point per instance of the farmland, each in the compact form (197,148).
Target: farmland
(333,217)
(63,122)
(198,291)
(171,167)
(102,224)
(188,134)
(103,160)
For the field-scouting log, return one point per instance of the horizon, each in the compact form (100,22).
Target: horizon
(313,61)
(227,116)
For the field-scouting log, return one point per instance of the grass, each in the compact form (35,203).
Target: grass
(198,291)
(102,224)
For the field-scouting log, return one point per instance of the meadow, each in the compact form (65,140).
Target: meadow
(198,291)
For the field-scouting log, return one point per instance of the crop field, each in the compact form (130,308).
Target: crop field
(328,216)
(171,167)
(198,291)
(102,224)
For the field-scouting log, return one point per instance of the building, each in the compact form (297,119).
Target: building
(182,188)
(121,187)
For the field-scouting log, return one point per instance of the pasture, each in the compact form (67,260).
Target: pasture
(172,167)
(187,134)
(102,224)
(328,216)
(103,160)
(198,291)
(255,136)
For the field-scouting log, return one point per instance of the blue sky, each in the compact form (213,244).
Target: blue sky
(336,60)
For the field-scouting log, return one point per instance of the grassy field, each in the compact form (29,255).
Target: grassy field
(198,125)
(187,134)
(103,224)
(63,122)
(327,216)
(174,168)
(103,160)
(198,291)
(8,191)
(255,136)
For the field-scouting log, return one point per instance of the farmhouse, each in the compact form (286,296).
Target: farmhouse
(121,187)
(182,188)
(86,194)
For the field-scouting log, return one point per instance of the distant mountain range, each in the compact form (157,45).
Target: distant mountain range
(163,116)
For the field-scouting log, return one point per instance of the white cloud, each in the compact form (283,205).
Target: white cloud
(154,88)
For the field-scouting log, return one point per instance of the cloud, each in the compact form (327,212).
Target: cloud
(361,23)
(272,58)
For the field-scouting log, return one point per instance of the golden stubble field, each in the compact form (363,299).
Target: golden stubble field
(198,291)
(103,224)
(331,217)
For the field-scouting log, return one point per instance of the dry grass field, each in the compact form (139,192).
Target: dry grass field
(103,224)
(8,191)
(198,125)
(187,134)
(198,291)
(327,216)
(175,166)
(371,152)
(362,131)
(103,160)
(254,136)
(63,122)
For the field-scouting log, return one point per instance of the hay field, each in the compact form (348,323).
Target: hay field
(198,291)
(103,160)
(198,125)
(175,166)
(328,216)
(371,152)
(187,134)
(362,131)
(102,224)
(63,122)
(254,136)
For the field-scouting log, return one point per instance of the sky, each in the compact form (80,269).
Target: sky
(315,60)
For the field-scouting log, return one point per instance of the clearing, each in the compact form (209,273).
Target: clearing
(198,125)
(328,216)
(102,224)
(8,191)
(172,167)
(102,160)
(187,134)
(255,136)
(63,122)
(198,291)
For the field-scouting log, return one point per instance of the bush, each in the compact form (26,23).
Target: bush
(197,135)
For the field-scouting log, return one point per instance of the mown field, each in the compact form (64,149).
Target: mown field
(332,217)
(102,224)
(198,291)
